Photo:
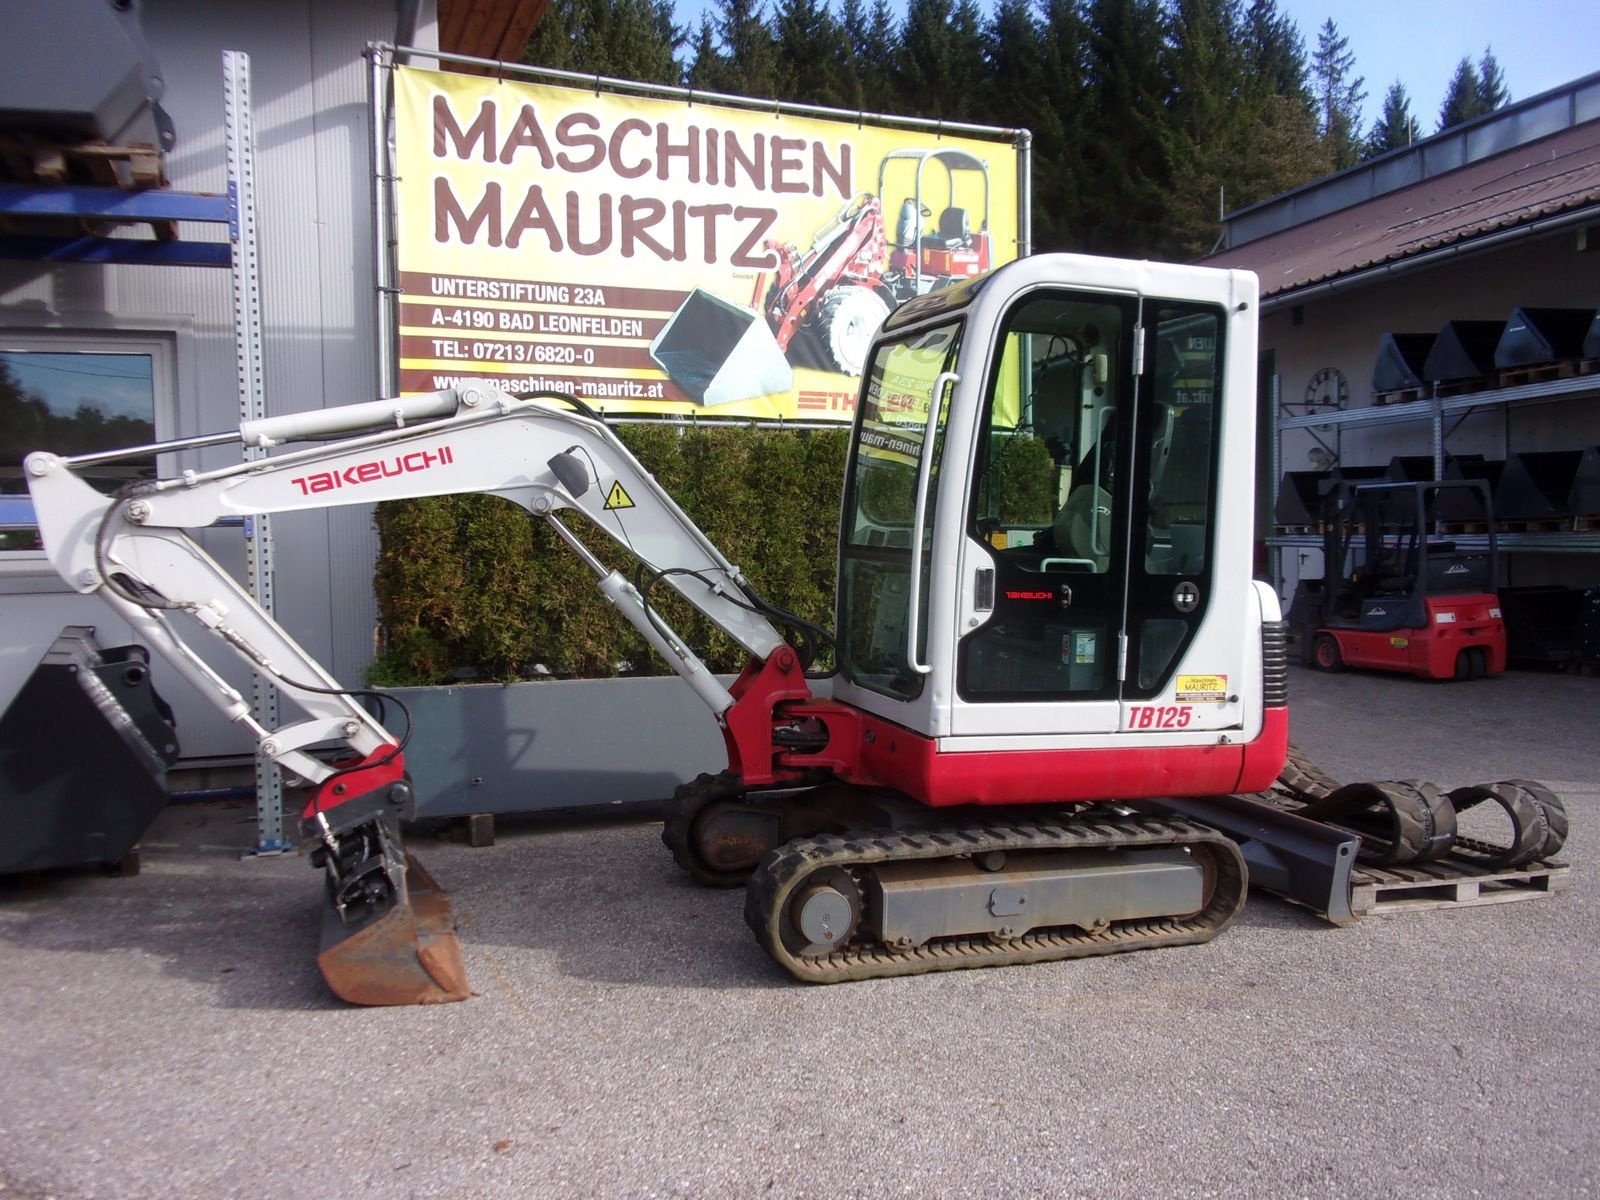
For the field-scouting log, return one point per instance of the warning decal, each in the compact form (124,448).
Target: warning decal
(617,497)
(1202,687)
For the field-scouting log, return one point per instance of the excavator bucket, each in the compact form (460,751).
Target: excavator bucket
(402,949)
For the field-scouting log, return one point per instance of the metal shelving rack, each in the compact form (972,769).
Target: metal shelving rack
(1440,412)
(240,254)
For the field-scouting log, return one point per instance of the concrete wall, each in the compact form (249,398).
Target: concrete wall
(314,209)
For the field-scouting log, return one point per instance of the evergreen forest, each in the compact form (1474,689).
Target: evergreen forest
(1149,117)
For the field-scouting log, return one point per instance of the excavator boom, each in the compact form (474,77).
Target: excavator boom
(388,936)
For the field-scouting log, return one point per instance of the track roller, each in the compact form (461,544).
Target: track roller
(714,833)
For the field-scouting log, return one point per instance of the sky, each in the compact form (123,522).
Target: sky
(1539,44)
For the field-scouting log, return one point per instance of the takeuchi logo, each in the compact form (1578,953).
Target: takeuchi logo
(373,470)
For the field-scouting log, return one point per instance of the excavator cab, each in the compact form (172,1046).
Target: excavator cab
(1038,546)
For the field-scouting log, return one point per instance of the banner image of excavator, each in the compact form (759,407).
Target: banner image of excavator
(853,275)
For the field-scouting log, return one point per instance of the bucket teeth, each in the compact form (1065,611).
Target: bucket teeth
(401,951)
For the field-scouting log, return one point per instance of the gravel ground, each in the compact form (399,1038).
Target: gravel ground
(168,1035)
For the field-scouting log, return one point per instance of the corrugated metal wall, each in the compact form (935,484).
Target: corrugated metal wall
(309,83)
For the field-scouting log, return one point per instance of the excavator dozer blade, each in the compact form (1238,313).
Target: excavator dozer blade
(407,953)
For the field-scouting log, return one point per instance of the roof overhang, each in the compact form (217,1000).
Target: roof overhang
(497,29)
(1383,272)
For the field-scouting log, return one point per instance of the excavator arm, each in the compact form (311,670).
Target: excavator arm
(387,938)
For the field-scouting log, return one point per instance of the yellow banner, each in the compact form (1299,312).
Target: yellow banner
(671,257)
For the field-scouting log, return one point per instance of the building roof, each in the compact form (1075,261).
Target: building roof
(1295,242)
(497,29)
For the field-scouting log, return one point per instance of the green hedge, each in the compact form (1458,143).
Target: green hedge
(474,587)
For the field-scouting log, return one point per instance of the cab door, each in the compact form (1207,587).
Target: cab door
(1087,563)
(1045,555)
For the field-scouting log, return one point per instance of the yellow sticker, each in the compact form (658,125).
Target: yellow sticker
(1202,687)
(618,497)
(1399,643)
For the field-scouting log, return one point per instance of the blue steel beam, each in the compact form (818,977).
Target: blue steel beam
(117,250)
(25,200)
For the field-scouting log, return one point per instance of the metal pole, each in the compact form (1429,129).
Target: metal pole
(252,407)
(382,228)
(1024,146)
(1274,473)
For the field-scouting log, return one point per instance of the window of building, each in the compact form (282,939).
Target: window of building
(76,395)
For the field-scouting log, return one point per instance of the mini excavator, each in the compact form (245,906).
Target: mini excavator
(1047,634)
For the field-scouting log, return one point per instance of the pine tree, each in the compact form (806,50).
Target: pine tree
(1339,94)
(1125,147)
(1015,93)
(940,64)
(873,42)
(1275,53)
(967,61)
(1396,127)
(703,65)
(1282,148)
(1210,119)
(626,39)
(812,54)
(743,59)
(1462,101)
(1059,185)
(1492,92)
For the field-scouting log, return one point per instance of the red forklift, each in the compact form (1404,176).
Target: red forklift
(1396,594)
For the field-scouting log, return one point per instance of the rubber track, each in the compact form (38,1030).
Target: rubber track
(676,828)
(1537,816)
(1399,821)
(785,868)
(1303,778)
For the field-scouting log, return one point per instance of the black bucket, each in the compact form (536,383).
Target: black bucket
(1538,485)
(1463,350)
(1537,336)
(1401,357)
(84,750)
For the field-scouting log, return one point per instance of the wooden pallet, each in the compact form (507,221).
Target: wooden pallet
(1452,883)
(26,158)
(1542,373)
(1459,387)
(1402,396)
(1547,525)
(31,159)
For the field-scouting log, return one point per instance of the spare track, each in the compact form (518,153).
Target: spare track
(1007,843)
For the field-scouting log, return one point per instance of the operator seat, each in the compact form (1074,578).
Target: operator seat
(955,231)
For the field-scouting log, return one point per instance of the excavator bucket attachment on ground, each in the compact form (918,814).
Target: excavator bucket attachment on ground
(84,750)
(402,949)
